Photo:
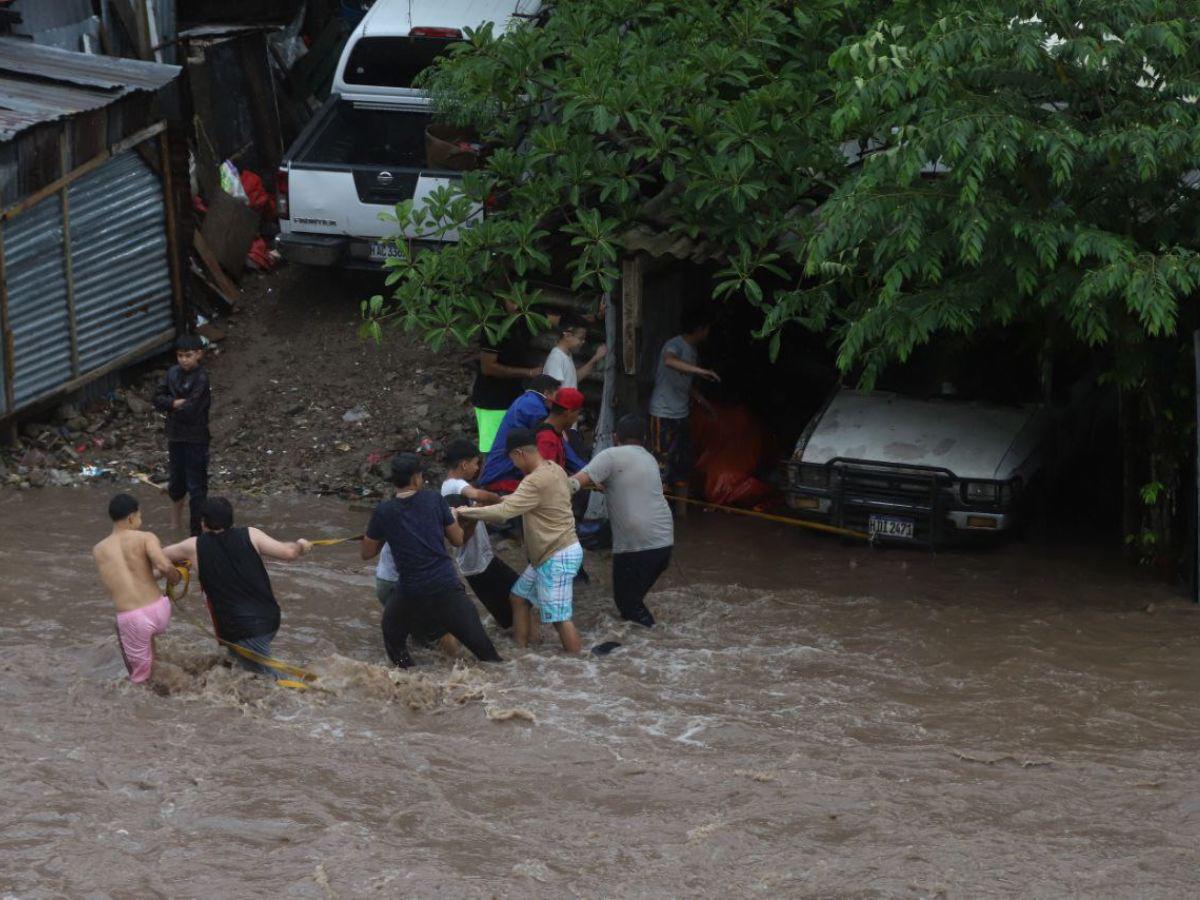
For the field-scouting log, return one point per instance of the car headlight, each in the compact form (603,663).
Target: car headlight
(808,475)
(982,491)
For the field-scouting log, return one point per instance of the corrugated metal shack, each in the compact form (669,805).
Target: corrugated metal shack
(89,265)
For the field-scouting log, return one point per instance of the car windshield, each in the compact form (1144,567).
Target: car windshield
(987,370)
(392,61)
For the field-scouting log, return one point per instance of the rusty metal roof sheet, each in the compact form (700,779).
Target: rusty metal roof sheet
(41,84)
(656,242)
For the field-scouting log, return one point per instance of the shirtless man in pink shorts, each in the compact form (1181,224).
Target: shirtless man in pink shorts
(127,560)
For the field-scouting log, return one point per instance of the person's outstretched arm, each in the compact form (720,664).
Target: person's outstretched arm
(374,537)
(522,500)
(490,365)
(269,548)
(703,402)
(674,362)
(159,560)
(479,495)
(582,372)
(182,552)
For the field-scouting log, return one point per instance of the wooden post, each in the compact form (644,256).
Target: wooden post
(68,266)
(6,334)
(1196,511)
(153,38)
(631,310)
(173,248)
(607,421)
(127,15)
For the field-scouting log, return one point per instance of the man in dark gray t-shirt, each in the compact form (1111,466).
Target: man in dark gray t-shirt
(671,404)
(643,531)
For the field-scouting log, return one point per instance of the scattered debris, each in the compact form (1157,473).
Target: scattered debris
(289,370)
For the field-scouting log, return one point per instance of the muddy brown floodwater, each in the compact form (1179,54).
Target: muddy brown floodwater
(810,719)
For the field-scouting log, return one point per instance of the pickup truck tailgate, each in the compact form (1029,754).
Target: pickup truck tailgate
(353,163)
(328,201)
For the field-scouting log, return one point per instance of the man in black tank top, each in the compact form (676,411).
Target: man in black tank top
(229,563)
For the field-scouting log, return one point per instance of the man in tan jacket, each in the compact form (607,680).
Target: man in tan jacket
(543,501)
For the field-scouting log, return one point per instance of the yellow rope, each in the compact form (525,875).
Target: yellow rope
(332,542)
(785,520)
(277,664)
(145,479)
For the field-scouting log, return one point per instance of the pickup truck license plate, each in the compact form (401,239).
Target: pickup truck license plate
(887,526)
(384,250)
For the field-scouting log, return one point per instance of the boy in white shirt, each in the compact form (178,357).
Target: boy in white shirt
(489,576)
(560,363)
(386,576)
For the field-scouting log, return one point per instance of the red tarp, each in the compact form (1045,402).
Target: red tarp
(730,448)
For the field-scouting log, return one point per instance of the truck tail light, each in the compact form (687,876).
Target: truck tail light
(428,31)
(281,194)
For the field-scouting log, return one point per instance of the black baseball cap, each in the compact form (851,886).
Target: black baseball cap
(518,438)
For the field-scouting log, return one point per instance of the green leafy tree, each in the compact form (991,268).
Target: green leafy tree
(709,120)
(1033,164)
(1023,161)
(885,173)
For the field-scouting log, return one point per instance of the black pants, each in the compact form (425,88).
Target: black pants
(492,586)
(633,576)
(187,476)
(428,615)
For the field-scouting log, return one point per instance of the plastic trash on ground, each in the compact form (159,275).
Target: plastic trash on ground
(231,182)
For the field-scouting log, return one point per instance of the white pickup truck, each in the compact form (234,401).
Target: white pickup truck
(364,152)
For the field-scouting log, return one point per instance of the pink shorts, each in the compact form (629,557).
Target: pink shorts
(136,629)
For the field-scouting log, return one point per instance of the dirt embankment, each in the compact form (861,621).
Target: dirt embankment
(299,400)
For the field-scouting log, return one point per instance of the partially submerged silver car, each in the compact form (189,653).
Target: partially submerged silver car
(918,470)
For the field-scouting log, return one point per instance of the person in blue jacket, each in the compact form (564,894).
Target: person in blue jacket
(528,411)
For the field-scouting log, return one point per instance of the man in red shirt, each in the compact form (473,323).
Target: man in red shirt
(566,406)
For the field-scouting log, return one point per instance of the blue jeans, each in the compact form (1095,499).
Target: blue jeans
(260,644)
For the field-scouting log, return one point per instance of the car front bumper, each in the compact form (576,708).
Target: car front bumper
(817,504)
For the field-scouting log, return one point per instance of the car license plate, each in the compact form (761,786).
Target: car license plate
(887,526)
(384,250)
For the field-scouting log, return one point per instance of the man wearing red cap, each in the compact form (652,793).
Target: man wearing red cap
(566,406)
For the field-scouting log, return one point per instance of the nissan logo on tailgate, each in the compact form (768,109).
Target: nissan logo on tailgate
(384,178)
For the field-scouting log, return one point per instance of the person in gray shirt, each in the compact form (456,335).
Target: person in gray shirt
(671,404)
(643,531)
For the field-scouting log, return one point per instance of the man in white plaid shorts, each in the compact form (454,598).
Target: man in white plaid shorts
(543,501)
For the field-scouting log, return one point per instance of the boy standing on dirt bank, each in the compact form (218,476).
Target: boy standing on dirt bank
(185,395)
(127,560)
